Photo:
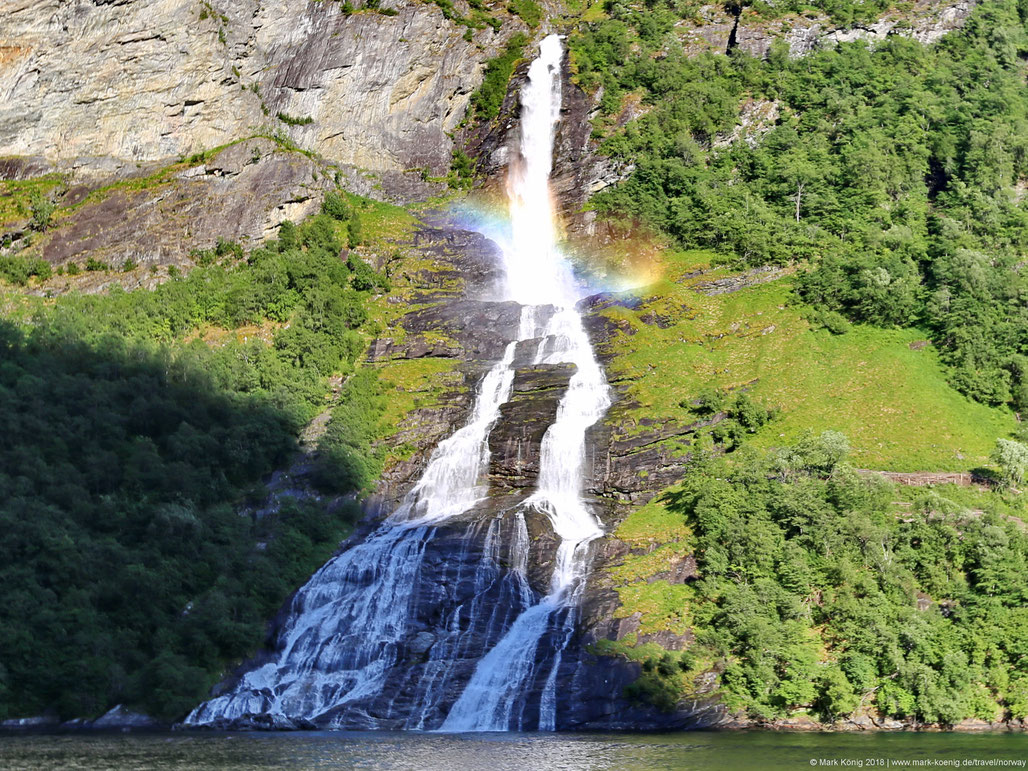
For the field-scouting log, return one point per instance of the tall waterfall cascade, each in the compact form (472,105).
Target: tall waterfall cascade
(344,655)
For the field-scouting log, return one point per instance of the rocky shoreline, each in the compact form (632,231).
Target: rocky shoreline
(807,724)
(124,720)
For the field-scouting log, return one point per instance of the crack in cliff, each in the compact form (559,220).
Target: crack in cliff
(733,7)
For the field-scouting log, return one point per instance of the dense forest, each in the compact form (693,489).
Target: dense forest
(130,444)
(895,172)
(818,591)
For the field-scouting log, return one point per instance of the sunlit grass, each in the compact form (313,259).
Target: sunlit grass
(891,400)
(16,195)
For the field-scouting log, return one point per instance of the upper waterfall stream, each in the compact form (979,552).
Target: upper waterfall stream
(347,653)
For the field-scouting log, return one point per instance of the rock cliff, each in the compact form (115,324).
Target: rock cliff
(100,86)
(716,29)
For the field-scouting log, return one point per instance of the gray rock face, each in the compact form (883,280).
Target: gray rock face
(515,440)
(101,86)
(926,22)
(123,718)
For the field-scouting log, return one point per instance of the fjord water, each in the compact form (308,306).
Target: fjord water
(344,644)
(692,751)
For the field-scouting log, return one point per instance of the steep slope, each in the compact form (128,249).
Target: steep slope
(177,137)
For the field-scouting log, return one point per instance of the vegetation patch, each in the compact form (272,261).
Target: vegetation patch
(530,11)
(130,574)
(21,198)
(817,596)
(411,384)
(886,389)
(666,677)
(663,606)
(488,99)
(652,523)
(638,567)
(824,592)
(292,120)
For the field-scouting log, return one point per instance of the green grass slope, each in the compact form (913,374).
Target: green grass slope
(884,388)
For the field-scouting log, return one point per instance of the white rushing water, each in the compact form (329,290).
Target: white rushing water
(345,625)
(537,274)
(348,630)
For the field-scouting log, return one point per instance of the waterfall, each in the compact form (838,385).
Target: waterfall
(357,649)
(346,624)
(537,273)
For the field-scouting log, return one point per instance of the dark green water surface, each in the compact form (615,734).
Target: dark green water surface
(514,752)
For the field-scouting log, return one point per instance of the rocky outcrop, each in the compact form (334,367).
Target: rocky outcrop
(240,194)
(744,280)
(515,440)
(757,117)
(579,170)
(122,718)
(102,86)
(716,29)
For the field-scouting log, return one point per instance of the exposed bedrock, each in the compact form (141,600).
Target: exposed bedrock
(241,194)
(515,440)
(101,86)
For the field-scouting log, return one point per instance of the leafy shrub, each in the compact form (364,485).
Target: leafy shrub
(336,207)
(736,415)
(1012,459)
(42,208)
(462,171)
(833,321)
(17,269)
(489,97)
(291,120)
(529,11)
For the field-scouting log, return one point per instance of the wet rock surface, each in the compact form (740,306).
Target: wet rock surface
(579,169)
(515,440)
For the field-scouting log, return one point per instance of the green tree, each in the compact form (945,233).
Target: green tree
(42,208)
(1012,458)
